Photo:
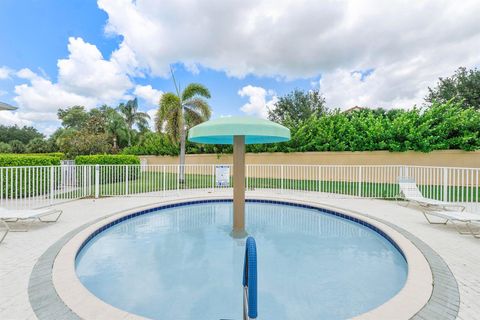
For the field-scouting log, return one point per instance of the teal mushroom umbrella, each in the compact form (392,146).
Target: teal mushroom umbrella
(4,106)
(238,131)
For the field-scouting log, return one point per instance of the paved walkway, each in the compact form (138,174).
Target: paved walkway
(20,251)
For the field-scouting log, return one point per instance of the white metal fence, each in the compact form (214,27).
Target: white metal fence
(40,186)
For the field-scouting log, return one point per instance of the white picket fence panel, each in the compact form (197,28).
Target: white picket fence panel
(30,187)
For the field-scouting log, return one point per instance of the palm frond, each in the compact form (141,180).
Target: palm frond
(195,89)
(168,105)
(142,115)
(173,125)
(200,106)
(121,108)
(169,116)
(192,118)
(141,122)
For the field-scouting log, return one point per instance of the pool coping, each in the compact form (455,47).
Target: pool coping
(56,292)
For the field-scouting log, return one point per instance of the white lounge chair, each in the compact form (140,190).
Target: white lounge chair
(474,226)
(5,230)
(454,217)
(29,215)
(410,192)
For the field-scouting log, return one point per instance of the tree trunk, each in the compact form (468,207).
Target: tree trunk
(182,154)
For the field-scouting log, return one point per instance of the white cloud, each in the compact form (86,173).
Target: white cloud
(126,60)
(400,84)
(192,68)
(43,96)
(27,74)
(259,101)
(84,78)
(11,118)
(5,73)
(149,94)
(408,44)
(344,89)
(87,73)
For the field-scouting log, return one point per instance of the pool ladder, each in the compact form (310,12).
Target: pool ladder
(250,280)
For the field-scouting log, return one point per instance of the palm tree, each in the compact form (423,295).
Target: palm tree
(132,116)
(179,112)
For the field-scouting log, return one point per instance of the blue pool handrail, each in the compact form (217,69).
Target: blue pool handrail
(250,280)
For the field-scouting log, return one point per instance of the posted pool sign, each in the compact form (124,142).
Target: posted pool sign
(222,176)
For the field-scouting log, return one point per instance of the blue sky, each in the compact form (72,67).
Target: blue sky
(37,34)
(248,53)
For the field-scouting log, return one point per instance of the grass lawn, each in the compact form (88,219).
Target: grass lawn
(158,181)
(114,183)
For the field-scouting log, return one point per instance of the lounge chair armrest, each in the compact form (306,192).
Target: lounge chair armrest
(453,205)
(5,231)
(5,224)
(57,212)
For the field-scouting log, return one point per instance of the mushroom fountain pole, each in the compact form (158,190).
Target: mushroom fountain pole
(239,131)
(238,187)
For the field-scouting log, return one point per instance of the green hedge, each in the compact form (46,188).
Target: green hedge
(107,159)
(60,155)
(20,183)
(23,160)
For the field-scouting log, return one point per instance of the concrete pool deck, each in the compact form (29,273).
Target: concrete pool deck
(21,251)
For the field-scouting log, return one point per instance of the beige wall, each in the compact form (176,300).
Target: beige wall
(445,158)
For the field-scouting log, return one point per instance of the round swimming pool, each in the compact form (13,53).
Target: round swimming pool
(181,263)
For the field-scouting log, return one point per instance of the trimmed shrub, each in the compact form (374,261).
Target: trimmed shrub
(25,182)
(23,160)
(58,155)
(107,159)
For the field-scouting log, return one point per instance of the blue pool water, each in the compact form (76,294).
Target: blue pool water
(181,263)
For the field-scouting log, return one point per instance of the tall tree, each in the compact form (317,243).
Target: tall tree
(38,145)
(73,118)
(296,107)
(96,122)
(17,146)
(132,116)
(180,111)
(463,86)
(116,126)
(24,134)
